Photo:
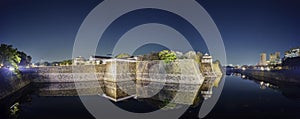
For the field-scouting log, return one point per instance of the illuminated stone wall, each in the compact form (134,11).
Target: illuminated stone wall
(181,71)
(10,83)
(70,73)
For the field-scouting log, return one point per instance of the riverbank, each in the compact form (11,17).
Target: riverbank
(10,83)
(287,76)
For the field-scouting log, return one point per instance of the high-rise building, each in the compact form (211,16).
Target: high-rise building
(263,59)
(277,55)
(278,58)
(274,58)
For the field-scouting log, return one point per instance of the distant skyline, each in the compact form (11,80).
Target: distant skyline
(47,29)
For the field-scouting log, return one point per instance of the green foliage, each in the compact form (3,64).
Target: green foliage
(14,110)
(25,60)
(167,56)
(10,57)
(66,62)
(123,55)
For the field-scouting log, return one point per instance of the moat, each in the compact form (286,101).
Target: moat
(242,97)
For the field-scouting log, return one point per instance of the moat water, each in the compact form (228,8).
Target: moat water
(241,98)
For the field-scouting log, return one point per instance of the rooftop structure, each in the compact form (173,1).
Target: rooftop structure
(206,58)
(263,59)
(79,61)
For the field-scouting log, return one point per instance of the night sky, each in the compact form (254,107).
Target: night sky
(46,29)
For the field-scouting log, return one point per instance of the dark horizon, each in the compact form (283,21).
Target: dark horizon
(47,29)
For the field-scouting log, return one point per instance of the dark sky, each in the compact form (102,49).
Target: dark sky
(46,29)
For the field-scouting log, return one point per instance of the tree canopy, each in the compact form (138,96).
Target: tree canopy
(167,56)
(11,57)
(123,55)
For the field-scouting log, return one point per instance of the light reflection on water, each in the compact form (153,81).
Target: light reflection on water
(242,97)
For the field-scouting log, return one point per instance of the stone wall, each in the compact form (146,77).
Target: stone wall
(71,69)
(115,70)
(119,70)
(70,73)
(181,71)
(289,76)
(111,75)
(9,83)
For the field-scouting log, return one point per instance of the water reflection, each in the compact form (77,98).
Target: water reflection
(145,95)
(119,91)
(289,90)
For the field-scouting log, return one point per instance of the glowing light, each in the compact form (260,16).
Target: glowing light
(243,76)
(261,83)
(262,68)
(11,69)
(268,69)
(243,68)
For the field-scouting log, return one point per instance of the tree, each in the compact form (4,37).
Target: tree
(45,64)
(25,60)
(123,55)
(9,57)
(167,56)
(151,56)
(66,62)
(28,59)
(23,57)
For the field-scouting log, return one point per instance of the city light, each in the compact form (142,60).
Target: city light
(11,69)
(243,68)
(261,83)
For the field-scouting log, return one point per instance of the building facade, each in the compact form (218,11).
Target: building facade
(274,58)
(263,59)
(79,61)
(96,60)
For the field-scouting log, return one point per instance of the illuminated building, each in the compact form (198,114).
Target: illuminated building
(274,58)
(79,61)
(263,59)
(292,53)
